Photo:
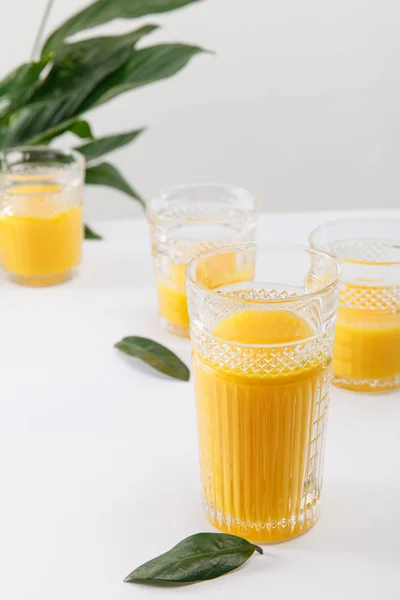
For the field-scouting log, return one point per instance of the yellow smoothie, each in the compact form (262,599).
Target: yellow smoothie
(172,299)
(40,243)
(367,343)
(171,290)
(261,417)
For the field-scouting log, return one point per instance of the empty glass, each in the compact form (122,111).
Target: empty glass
(41,228)
(367,343)
(185,221)
(262,350)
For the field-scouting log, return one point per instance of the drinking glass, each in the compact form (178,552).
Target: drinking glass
(367,343)
(41,228)
(262,350)
(186,220)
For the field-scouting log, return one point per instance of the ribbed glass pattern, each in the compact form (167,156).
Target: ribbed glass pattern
(261,423)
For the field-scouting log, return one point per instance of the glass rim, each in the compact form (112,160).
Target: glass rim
(165,195)
(79,159)
(6,170)
(273,301)
(337,222)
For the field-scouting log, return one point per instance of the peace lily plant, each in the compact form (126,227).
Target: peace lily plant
(65,79)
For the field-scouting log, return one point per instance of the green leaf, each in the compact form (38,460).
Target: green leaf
(8,83)
(78,127)
(106,174)
(144,66)
(155,355)
(36,123)
(91,235)
(81,129)
(101,146)
(89,61)
(200,557)
(76,72)
(20,85)
(104,11)
(22,79)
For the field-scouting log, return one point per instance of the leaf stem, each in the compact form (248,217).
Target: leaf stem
(42,26)
(258,549)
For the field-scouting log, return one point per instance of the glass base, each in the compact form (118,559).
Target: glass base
(42,280)
(367,385)
(272,532)
(175,329)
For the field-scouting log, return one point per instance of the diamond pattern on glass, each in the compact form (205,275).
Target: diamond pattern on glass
(261,294)
(196,211)
(385,299)
(181,251)
(260,361)
(365,251)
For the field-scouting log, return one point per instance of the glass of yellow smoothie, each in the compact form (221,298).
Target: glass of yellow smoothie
(262,352)
(367,342)
(41,228)
(186,220)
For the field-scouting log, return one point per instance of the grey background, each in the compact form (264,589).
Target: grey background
(300,103)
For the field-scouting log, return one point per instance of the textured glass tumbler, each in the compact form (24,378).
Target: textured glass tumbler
(185,221)
(262,350)
(41,228)
(367,343)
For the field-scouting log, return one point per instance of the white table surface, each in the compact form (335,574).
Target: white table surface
(98,457)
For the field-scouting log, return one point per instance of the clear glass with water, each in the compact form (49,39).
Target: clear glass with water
(185,221)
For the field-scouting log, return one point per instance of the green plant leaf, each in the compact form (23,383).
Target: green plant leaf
(8,83)
(200,557)
(97,148)
(76,72)
(145,66)
(19,86)
(104,11)
(34,124)
(78,127)
(106,174)
(155,355)
(21,79)
(88,61)
(91,235)
(81,129)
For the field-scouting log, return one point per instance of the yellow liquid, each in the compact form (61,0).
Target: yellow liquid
(261,419)
(367,349)
(172,298)
(41,244)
